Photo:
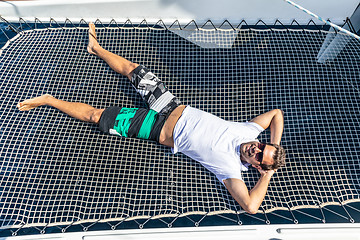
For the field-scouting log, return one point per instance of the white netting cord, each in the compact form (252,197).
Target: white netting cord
(56,169)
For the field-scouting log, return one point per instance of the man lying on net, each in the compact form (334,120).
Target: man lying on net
(225,148)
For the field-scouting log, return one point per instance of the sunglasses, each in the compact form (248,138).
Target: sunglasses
(259,156)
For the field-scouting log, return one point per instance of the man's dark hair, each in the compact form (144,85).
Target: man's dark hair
(278,157)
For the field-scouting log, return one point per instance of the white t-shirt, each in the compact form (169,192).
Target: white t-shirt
(214,142)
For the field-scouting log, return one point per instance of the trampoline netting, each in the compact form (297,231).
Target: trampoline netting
(56,170)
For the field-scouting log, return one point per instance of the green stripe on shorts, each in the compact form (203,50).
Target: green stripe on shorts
(123,120)
(147,125)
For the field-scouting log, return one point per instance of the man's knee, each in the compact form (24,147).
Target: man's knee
(95,115)
(130,70)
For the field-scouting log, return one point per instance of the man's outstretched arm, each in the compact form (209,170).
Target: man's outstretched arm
(273,119)
(251,200)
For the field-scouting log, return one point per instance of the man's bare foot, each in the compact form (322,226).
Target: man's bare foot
(93,43)
(33,103)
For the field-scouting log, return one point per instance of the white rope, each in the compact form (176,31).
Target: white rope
(323,20)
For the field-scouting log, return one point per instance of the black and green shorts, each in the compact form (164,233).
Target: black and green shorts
(145,123)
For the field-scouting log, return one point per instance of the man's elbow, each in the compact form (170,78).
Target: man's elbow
(251,209)
(279,111)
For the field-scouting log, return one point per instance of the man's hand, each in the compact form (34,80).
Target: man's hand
(265,172)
